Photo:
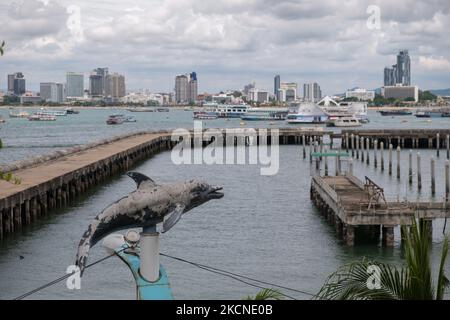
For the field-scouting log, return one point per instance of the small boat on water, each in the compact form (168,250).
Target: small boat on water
(204,115)
(20,114)
(162,109)
(344,122)
(72,111)
(2,120)
(41,117)
(395,112)
(56,113)
(432,114)
(115,119)
(140,109)
(265,114)
(228,110)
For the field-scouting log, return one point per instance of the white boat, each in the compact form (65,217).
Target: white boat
(203,115)
(344,109)
(20,114)
(265,114)
(140,109)
(41,117)
(307,113)
(344,122)
(56,113)
(2,120)
(228,110)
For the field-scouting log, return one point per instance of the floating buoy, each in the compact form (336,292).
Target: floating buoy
(242,123)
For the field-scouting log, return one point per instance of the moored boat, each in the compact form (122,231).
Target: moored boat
(432,114)
(41,117)
(140,109)
(56,113)
(72,111)
(395,112)
(228,110)
(307,113)
(344,122)
(265,114)
(204,115)
(115,119)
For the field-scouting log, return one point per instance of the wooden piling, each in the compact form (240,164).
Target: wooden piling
(367,151)
(438,142)
(447,145)
(410,170)
(447,182)
(398,162)
(357,147)
(375,150)
(419,173)
(336,165)
(350,166)
(382,155)
(390,159)
(433,178)
(352,142)
(304,146)
(362,149)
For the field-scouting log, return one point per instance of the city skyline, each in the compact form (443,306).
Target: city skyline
(228,43)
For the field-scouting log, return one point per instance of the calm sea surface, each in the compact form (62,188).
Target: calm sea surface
(265,227)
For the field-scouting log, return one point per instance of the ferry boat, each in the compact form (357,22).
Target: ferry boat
(140,109)
(432,114)
(344,122)
(204,115)
(307,113)
(41,117)
(115,119)
(162,109)
(56,113)
(20,114)
(336,110)
(395,112)
(265,114)
(228,110)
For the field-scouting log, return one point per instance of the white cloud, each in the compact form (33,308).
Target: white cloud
(235,41)
(435,63)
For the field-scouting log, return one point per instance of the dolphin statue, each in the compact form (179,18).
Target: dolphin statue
(149,205)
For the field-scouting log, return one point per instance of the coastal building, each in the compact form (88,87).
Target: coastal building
(400,73)
(360,94)
(401,92)
(312,92)
(276,86)
(257,95)
(30,99)
(74,85)
(16,83)
(287,92)
(115,86)
(186,88)
(52,92)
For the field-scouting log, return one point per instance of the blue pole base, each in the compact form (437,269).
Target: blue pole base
(158,290)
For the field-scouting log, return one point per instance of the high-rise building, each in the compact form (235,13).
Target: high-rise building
(115,86)
(360,94)
(97,82)
(192,87)
(16,84)
(403,68)
(390,76)
(276,86)
(400,73)
(181,88)
(52,92)
(74,85)
(312,92)
(258,95)
(11,78)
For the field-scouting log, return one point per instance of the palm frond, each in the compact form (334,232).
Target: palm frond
(443,282)
(266,294)
(1,48)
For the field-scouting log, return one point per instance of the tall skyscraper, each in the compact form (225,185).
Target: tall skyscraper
(181,88)
(400,73)
(192,87)
(74,85)
(276,86)
(11,78)
(97,82)
(312,92)
(403,68)
(52,92)
(19,84)
(287,91)
(115,86)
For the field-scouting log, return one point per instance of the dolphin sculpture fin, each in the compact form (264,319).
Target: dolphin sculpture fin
(174,217)
(140,178)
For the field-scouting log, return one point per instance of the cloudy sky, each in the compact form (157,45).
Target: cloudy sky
(228,42)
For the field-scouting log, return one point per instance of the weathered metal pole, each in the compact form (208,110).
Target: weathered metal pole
(398,162)
(150,254)
(433,177)
(390,159)
(419,173)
